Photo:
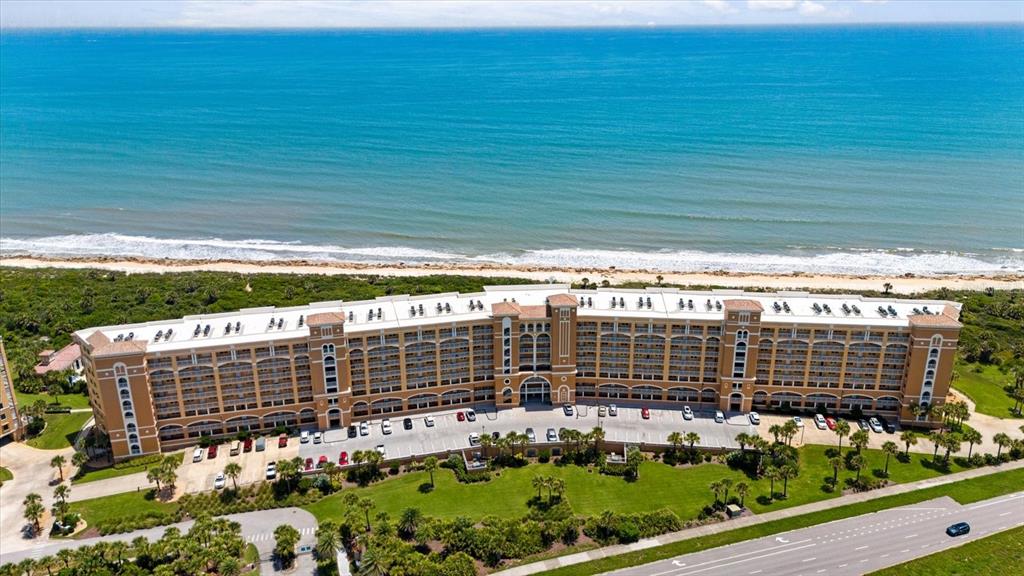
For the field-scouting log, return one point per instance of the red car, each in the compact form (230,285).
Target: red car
(460,416)
(282,440)
(645,413)
(212,452)
(343,458)
(830,422)
(247,445)
(309,464)
(320,463)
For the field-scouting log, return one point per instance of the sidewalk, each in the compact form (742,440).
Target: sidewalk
(725,526)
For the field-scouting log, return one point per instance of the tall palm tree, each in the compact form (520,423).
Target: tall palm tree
(909,438)
(409,522)
(46,563)
(789,430)
(365,504)
(597,436)
(1001,440)
(972,437)
(859,440)
(233,470)
(742,489)
(61,492)
(34,510)
(773,473)
(558,486)
(716,487)
(857,463)
(370,564)
(891,449)
(937,437)
(539,482)
(79,458)
(58,462)
(788,471)
(726,486)
(775,430)
(633,459)
(835,462)
(155,474)
(743,439)
(842,431)
(952,444)
(676,440)
(691,438)
(430,464)
(328,540)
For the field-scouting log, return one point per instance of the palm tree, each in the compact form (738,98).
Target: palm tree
(27,565)
(539,482)
(331,469)
(716,487)
(633,459)
(370,564)
(328,540)
(410,522)
(842,431)
(726,485)
(909,438)
(952,444)
(691,438)
(788,471)
(743,439)
(1017,394)
(34,510)
(775,430)
(859,440)
(742,489)
(155,474)
(937,437)
(857,463)
(558,485)
(789,430)
(78,459)
(286,469)
(597,435)
(887,287)
(61,492)
(46,563)
(233,470)
(285,538)
(835,462)
(365,504)
(676,440)
(773,473)
(891,449)
(972,437)
(58,462)
(430,464)
(1001,440)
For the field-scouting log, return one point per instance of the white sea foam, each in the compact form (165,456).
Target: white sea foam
(833,261)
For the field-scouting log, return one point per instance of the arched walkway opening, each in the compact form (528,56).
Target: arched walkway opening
(535,390)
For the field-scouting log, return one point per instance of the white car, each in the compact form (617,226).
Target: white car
(474,439)
(602,411)
(364,429)
(687,413)
(218,482)
(385,426)
(719,416)
(271,470)
(819,422)
(380,450)
(318,437)
(875,425)
(755,418)
(552,435)
(428,421)
(613,410)
(798,421)
(304,437)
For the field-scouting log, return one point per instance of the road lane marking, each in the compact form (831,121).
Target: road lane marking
(706,568)
(886,555)
(1004,514)
(996,502)
(809,559)
(910,536)
(861,548)
(755,572)
(905,550)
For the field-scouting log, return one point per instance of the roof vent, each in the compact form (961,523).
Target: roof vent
(227,329)
(159,333)
(882,312)
(856,309)
(412,311)
(614,303)
(689,304)
(785,306)
(448,308)
(622,302)
(718,304)
(198,329)
(421,309)
(590,302)
(648,302)
(351,316)
(168,335)
(206,330)
(238,325)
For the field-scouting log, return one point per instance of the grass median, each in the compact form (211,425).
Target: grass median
(993,555)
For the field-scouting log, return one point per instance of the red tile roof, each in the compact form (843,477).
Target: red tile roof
(61,360)
(325,318)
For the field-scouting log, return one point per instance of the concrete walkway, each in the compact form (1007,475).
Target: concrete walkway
(607,551)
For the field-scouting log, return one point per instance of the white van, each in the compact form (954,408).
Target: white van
(197,454)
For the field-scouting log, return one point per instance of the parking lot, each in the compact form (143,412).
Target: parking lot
(198,476)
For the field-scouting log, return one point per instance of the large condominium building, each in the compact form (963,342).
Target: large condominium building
(164,384)
(10,423)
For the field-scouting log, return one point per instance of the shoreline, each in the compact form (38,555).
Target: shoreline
(902,284)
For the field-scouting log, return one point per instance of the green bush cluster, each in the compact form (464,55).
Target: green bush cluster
(134,522)
(610,528)
(138,461)
(263,496)
(458,465)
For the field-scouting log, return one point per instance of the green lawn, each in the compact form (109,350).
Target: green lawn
(92,475)
(682,490)
(68,400)
(118,506)
(60,431)
(985,388)
(990,556)
(964,492)
(5,475)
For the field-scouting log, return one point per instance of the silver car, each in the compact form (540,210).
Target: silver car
(530,435)
(552,435)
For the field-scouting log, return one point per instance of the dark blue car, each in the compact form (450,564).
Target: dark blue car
(958,529)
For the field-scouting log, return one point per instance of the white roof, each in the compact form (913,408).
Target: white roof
(252,325)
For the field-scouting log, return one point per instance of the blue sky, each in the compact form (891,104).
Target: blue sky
(490,13)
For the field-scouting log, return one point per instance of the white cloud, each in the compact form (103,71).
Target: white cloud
(720,6)
(808,8)
(775,5)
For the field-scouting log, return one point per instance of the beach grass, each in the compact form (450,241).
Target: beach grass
(984,385)
(107,508)
(61,430)
(994,555)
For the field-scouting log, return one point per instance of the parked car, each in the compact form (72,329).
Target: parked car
(496,435)
(271,470)
(304,437)
(798,421)
(236,448)
(471,415)
(211,452)
(889,425)
(309,464)
(247,445)
(218,481)
(353,431)
(343,458)
(385,426)
(380,450)
(282,440)
(261,444)
(552,435)
(958,529)
(529,434)
(197,454)
(318,437)
(460,416)
(830,423)
(687,413)
(364,429)
(755,418)
(428,421)
(320,463)
(819,422)
(474,439)
(407,423)
(645,413)
(567,408)
(602,411)
(719,416)
(862,424)
(613,410)
(875,425)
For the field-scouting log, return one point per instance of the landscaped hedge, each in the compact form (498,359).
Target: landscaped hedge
(138,461)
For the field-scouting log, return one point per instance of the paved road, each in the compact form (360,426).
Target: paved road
(257,527)
(852,546)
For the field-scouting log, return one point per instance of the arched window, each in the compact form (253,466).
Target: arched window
(133,438)
(125,395)
(931,363)
(129,414)
(122,383)
(131,427)
(327,348)
(126,405)
(136,450)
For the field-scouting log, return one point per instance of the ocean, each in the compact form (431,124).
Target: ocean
(858,150)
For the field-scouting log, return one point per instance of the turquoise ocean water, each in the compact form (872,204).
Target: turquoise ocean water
(832,149)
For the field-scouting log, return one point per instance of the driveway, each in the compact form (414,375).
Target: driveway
(32,473)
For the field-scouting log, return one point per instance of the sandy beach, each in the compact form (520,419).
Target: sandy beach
(906,284)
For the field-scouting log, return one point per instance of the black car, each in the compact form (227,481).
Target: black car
(958,529)
(889,425)
(496,435)
(407,423)
(353,431)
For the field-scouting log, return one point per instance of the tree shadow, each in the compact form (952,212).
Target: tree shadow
(425,488)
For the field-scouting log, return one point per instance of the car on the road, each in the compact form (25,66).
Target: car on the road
(407,423)
(819,422)
(613,410)
(218,481)
(552,435)
(567,409)
(197,454)
(798,421)
(460,416)
(353,431)
(380,450)
(318,437)
(471,415)
(211,452)
(247,445)
(282,440)
(830,423)
(875,425)
(474,439)
(271,470)
(309,464)
(602,411)
(755,418)
(687,413)
(862,424)
(645,413)
(958,529)
(343,458)
(261,444)
(428,421)
(530,435)
(364,428)
(304,437)
(719,416)
(496,435)
(385,426)
(320,463)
